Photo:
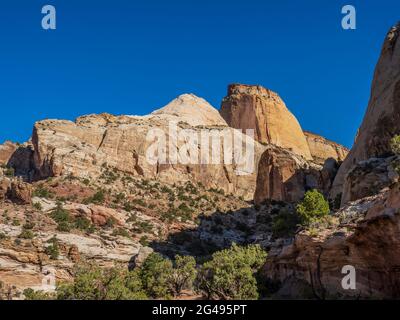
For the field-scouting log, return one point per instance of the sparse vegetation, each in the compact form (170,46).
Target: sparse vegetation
(97,198)
(285,223)
(395,144)
(231,274)
(313,207)
(9,172)
(43,192)
(53,249)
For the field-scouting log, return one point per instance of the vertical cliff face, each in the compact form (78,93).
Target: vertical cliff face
(260,109)
(382,119)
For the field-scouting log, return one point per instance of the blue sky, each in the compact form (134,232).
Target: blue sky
(131,57)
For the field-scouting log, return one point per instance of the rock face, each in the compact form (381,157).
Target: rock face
(322,149)
(382,118)
(6,151)
(365,236)
(368,177)
(128,143)
(285,176)
(257,108)
(19,192)
(193,110)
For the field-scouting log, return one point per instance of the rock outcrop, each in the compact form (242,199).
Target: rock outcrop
(285,176)
(19,192)
(368,177)
(381,121)
(366,235)
(145,147)
(322,149)
(6,151)
(260,109)
(193,110)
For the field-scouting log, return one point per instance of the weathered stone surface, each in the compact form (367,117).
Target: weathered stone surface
(4,185)
(369,177)
(260,109)
(367,236)
(142,255)
(193,110)
(81,148)
(284,176)
(6,151)
(19,192)
(382,119)
(322,149)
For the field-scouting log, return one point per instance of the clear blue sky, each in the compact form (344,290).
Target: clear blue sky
(131,57)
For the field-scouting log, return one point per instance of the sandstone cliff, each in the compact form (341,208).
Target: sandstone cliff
(83,147)
(6,151)
(381,121)
(322,149)
(260,109)
(285,176)
(364,233)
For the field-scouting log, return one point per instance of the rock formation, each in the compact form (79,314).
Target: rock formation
(193,110)
(295,166)
(6,151)
(364,233)
(322,149)
(82,147)
(285,176)
(365,236)
(260,109)
(381,121)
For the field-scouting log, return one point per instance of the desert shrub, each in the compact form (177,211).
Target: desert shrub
(37,206)
(285,223)
(62,217)
(2,236)
(84,224)
(26,234)
(93,283)
(395,144)
(231,273)
(110,222)
(183,274)
(53,250)
(28,225)
(43,192)
(144,241)
(31,294)
(313,207)
(139,202)
(155,274)
(98,197)
(128,207)
(9,172)
(121,232)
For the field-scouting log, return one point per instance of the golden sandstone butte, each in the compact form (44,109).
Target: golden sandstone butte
(255,107)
